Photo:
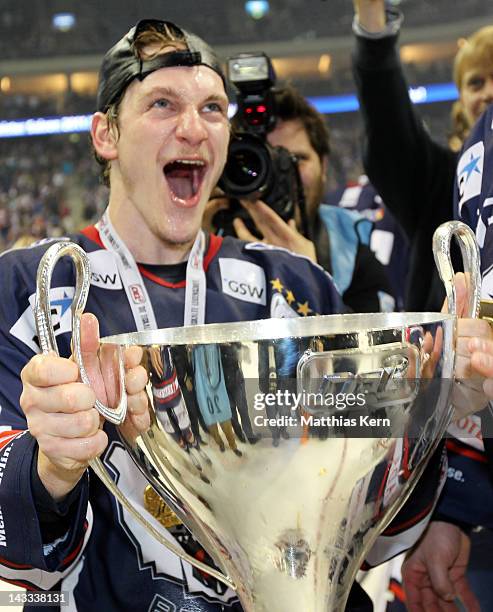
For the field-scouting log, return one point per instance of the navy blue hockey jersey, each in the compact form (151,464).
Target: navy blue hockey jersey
(105,560)
(474,194)
(468,492)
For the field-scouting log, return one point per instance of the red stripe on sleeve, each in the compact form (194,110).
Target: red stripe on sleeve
(13,565)
(8,436)
(454,447)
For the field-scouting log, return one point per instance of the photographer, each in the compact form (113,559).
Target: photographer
(335,238)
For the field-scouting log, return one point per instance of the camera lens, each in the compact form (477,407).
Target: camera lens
(257,171)
(247,168)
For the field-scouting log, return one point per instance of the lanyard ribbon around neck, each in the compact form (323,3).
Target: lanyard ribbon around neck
(135,289)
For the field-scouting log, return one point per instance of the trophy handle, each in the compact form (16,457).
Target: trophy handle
(44,324)
(471,258)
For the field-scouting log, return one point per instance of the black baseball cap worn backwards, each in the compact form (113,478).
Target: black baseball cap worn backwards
(121,66)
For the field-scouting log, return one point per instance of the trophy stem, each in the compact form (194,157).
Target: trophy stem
(286,557)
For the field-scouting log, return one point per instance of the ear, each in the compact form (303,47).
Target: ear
(103,137)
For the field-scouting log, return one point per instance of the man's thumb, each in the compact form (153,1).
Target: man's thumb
(89,333)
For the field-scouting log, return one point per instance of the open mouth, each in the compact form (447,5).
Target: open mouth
(184,177)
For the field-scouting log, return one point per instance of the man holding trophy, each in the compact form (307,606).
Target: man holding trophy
(161,133)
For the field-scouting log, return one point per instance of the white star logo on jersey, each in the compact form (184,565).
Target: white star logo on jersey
(470,173)
(60,300)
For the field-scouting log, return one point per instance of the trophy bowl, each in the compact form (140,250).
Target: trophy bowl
(285,446)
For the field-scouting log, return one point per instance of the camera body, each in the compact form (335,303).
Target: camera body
(254,169)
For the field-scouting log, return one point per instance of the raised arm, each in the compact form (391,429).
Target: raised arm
(413,174)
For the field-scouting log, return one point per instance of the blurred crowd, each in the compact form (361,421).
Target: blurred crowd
(49,186)
(31,27)
(21,106)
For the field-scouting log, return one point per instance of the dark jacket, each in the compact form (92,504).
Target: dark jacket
(413,174)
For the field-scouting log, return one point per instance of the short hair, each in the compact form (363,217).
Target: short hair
(161,37)
(291,105)
(477,50)
(152,36)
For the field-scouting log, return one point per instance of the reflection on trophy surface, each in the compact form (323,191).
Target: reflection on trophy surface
(286,445)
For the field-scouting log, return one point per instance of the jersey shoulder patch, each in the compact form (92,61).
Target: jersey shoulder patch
(24,329)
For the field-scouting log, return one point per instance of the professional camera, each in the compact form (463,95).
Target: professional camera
(255,170)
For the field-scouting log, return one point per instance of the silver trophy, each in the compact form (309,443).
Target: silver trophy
(291,443)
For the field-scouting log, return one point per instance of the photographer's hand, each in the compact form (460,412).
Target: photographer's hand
(274,230)
(211,208)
